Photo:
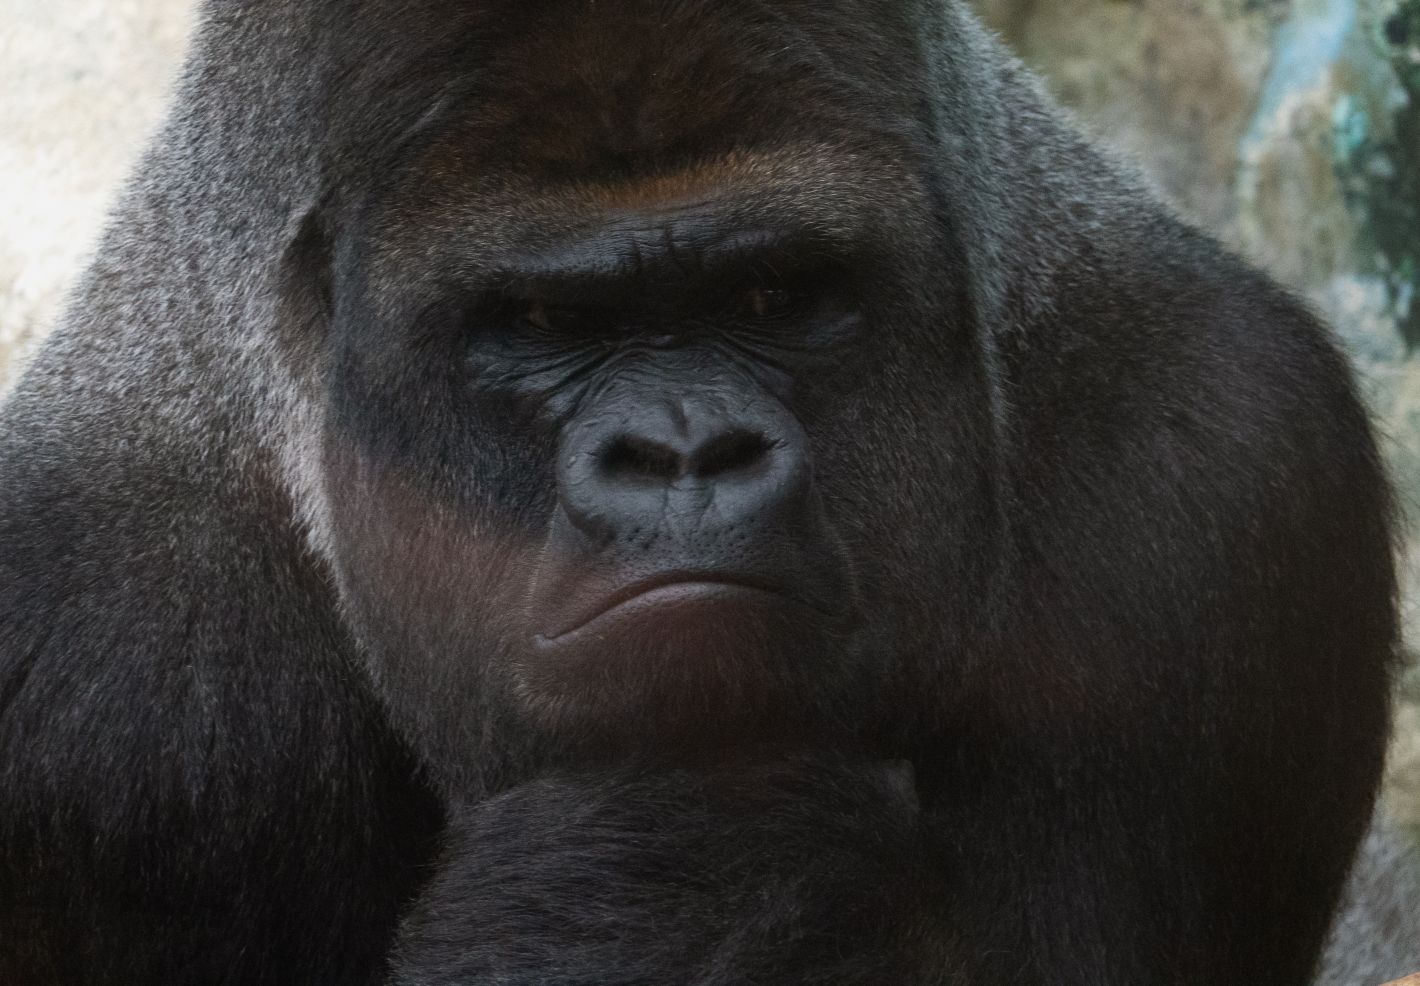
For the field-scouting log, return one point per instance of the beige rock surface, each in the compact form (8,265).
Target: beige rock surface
(83,83)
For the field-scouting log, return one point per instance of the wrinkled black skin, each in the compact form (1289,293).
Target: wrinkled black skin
(1043,494)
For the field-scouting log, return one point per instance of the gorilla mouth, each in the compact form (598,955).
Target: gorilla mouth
(656,599)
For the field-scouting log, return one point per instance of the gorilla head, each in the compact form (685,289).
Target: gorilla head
(650,419)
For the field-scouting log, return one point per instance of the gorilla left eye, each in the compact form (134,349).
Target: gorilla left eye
(770,302)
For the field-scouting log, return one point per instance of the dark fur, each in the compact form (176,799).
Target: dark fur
(1117,533)
(797,873)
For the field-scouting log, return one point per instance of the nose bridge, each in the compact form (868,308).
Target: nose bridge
(688,423)
(683,400)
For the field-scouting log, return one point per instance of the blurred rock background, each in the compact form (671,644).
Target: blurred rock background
(82,83)
(1291,128)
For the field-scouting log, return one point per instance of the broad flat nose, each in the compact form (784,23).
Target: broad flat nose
(687,463)
(639,457)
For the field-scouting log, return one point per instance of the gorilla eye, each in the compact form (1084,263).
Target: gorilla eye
(764,302)
(542,317)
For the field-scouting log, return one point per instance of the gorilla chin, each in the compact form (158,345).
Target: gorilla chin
(688,665)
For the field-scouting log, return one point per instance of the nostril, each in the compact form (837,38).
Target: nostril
(634,457)
(630,457)
(730,452)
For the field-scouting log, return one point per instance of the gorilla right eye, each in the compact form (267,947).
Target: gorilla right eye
(511,316)
(543,317)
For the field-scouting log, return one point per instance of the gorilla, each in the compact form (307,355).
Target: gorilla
(673,491)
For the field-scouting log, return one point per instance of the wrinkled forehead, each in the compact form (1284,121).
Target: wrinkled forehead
(448,200)
(744,114)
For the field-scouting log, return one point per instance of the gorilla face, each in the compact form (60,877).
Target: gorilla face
(611,457)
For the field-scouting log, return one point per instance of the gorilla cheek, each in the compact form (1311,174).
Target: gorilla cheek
(924,552)
(429,584)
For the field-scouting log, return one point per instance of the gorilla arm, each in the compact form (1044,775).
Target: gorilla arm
(802,872)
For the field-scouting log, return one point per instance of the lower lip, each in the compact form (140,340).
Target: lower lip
(663,598)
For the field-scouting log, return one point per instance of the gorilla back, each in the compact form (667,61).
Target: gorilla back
(637,429)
